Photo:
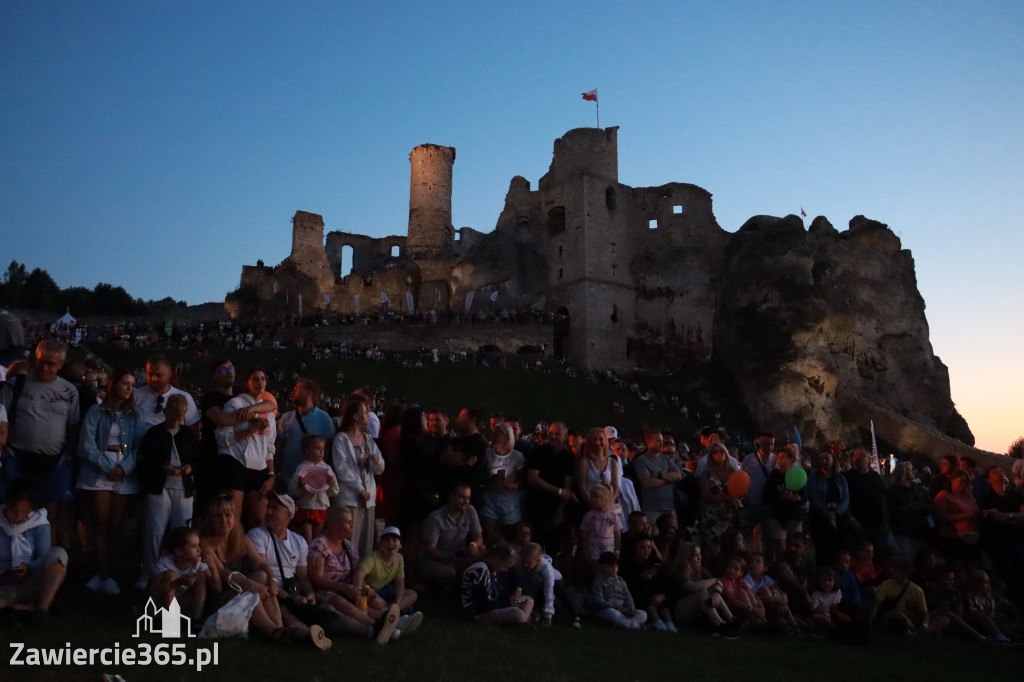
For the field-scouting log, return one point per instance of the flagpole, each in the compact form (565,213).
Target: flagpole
(597,104)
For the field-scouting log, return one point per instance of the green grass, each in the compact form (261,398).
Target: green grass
(532,396)
(447,647)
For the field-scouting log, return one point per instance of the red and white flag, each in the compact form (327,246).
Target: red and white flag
(590,96)
(802,212)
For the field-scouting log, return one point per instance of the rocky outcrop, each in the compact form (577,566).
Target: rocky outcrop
(814,322)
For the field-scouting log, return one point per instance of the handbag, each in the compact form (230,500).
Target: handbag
(232,619)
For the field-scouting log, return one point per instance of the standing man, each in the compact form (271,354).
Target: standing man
(549,470)
(42,411)
(657,475)
(151,398)
(757,466)
(466,461)
(305,419)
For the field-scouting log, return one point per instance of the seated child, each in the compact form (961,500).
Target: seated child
(31,571)
(538,579)
(182,574)
(945,604)
(774,600)
(482,598)
(642,571)
(312,485)
(610,597)
(600,530)
(384,572)
(825,601)
(846,581)
(899,604)
(862,565)
(981,607)
(739,596)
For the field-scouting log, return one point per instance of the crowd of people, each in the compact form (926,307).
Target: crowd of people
(339,519)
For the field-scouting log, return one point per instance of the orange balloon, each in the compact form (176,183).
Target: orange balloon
(739,483)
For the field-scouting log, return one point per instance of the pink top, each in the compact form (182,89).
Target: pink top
(958,503)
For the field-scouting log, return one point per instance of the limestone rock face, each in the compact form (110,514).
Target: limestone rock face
(814,324)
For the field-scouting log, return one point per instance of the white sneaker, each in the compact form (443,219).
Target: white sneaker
(94,583)
(109,586)
(411,622)
(142,583)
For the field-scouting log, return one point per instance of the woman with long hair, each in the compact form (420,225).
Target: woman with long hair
(719,510)
(107,479)
(356,461)
(596,466)
(246,460)
(238,567)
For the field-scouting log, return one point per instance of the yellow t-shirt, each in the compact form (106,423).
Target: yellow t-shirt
(911,603)
(378,573)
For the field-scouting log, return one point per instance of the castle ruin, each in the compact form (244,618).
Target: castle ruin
(808,321)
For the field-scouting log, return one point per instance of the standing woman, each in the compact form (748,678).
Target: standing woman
(830,508)
(719,510)
(107,479)
(958,515)
(596,466)
(246,460)
(356,460)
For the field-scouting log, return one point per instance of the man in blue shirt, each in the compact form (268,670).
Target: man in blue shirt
(305,418)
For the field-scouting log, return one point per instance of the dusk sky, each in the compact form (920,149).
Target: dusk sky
(162,145)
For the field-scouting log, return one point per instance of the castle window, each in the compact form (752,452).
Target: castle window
(652,223)
(559,273)
(609,198)
(556,220)
(677,209)
(559,251)
(396,251)
(346,261)
(458,235)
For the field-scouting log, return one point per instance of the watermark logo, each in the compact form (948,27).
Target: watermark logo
(165,622)
(168,622)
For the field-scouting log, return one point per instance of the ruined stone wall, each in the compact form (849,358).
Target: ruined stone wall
(584,151)
(308,254)
(368,253)
(430,200)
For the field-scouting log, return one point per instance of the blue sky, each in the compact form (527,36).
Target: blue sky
(161,145)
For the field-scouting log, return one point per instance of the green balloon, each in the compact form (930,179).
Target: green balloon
(796,479)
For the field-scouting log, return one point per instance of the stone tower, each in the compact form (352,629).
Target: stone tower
(308,254)
(588,226)
(430,200)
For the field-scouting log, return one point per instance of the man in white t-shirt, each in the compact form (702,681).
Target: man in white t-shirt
(285,552)
(151,398)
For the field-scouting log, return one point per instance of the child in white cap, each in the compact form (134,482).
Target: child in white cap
(384,573)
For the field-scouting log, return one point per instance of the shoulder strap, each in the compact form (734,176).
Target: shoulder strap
(277,552)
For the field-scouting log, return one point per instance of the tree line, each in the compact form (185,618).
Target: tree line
(37,290)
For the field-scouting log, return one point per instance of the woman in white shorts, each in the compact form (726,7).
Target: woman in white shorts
(107,479)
